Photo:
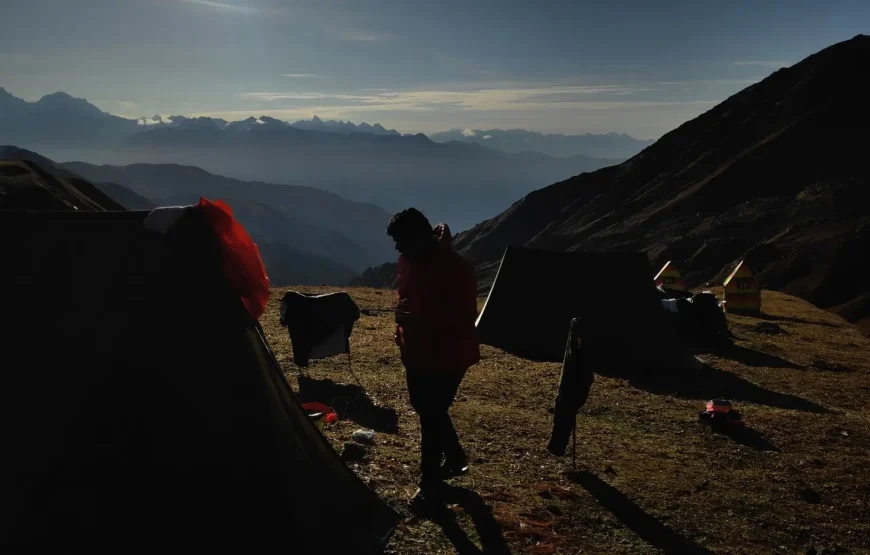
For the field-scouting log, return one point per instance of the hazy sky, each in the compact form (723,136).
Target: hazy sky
(635,66)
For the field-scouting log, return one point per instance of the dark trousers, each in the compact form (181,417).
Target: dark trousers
(431,396)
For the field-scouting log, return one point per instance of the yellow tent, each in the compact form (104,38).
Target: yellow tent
(669,277)
(742,290)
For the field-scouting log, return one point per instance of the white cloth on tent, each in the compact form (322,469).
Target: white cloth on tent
(163,218)
(670,305)
(333,345)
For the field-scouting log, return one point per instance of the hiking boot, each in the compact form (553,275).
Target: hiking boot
(452,470)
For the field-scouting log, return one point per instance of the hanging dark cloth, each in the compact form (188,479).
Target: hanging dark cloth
(319,325)
(574,385)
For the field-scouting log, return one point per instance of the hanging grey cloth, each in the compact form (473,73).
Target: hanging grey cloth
(319,325)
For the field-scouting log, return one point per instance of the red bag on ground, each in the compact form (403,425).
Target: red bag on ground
(242,263)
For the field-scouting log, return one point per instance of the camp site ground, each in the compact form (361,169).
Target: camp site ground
(652,478)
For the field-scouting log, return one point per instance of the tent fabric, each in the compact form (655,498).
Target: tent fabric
(319,325)
(536,294)
(142,408)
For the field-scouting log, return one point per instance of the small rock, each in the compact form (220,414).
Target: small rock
(363,437)
(609,470)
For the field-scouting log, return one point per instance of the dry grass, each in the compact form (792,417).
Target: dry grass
(653,478)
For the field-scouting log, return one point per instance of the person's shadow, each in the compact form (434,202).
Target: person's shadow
(636,519)
(488,529)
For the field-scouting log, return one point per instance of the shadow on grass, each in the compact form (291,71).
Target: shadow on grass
(350,402)
(636,519)
(750,438)
(749,357)
(771,318)
(706,382)
(488,529)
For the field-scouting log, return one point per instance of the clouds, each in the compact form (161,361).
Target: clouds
(469,98)
(643,110)
(227,8)
(302,76)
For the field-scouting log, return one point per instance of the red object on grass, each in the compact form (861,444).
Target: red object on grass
(331,416)
(242,263)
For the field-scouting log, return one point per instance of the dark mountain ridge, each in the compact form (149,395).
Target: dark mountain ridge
(777,174)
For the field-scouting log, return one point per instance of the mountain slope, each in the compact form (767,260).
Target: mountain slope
(58,119)
(777,174)
(310,220)
(29,181)
(126,197)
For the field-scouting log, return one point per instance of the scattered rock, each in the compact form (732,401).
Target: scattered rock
(363,437)
(769,328)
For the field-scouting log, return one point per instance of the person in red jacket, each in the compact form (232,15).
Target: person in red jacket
(435,332)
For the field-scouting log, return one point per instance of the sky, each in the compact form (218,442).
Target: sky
(640,67)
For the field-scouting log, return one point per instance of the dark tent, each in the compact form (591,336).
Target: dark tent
(536,294)
(143,410)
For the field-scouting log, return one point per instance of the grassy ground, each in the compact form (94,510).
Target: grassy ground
(651,478)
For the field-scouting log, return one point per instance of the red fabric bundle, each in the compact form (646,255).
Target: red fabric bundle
(243,266)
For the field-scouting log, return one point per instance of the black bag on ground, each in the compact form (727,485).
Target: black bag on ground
(574,385)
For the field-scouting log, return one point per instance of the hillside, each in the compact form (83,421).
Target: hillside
(778,174)
(322,224)
(652,478)
(29,181)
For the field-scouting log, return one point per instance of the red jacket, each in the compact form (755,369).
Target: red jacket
(438,307)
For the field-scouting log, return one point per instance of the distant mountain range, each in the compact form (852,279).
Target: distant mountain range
(515,141)
(343,127)
(308,219)
(456,182)
(306,236)
(778,175)
(313,124)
